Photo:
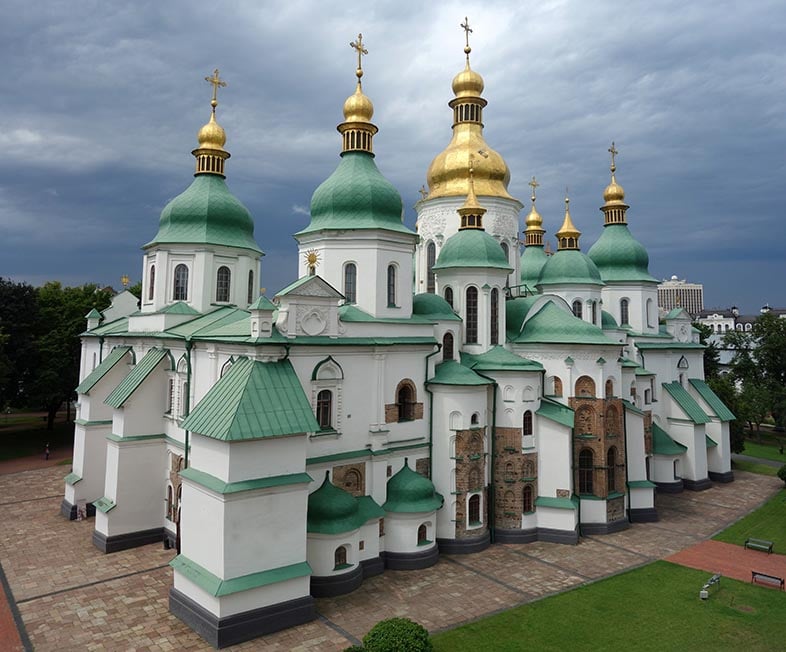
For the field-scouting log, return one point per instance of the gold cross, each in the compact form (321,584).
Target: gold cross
(613,151)
(358,46)
(423,192)
(216,81)
(533,184)
(467,31)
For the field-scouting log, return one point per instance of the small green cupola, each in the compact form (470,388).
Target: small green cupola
(408,492)
(331,510)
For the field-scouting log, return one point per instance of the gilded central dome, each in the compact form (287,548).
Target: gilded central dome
(212,135)
(358,107)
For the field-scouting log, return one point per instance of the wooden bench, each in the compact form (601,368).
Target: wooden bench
(759,544)
(764,578)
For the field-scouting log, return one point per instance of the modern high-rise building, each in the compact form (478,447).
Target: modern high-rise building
(678,293)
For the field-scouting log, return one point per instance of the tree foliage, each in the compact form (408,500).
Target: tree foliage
(18,354)
(397,635)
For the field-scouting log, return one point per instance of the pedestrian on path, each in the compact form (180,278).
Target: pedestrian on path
(46,452)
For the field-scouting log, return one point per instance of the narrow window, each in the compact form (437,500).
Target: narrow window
(447,346)
(624,312)
(391,286)
(350,282)
(222,284)
(183,399)
(594,307)
(431,258)
(340,558)
(528,503)
(422,532)
(250,286)
(171,398)
(472,315)
(181,283)
(505,250)
(473,420)
(169,504)
(527,425)
(406,404)
(557,386)
(650,311)
(609,388)
(495,316)
(585,471)
(577,308)
(449,296)
(474,510)
(152,284)
(611,470)
(325,409)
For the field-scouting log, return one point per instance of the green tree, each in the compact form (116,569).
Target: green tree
(18,354)
(136,289)
(723,386)
(711,352)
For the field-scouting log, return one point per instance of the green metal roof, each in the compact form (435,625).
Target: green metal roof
(569,267)
(686,402)
(668,345)
(251,401)
(262,303)
(631,407)
(368,508)
(556,411)
(663,444)
(712,399)
(674,313)
(433,307)
(206,321)
(552,324)
(557,503)
(93,314)
(607,320)
(117,326)
(331,510)
(451,372)
(408,492)
(641,371)
(472,248)
(710,442)
(356,196)
(620,257)
(178,308)
(531,263)
(516,311)
(627,363)
(206,213)
(351,313)
(133,380)
(498,358)
(116,355)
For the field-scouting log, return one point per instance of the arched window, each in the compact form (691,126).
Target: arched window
(447,346)
(351,282)
(449,296)
(594,309)
(340,558)
(585,387)
(611,461)
(431,258)
(557,386)
(152,282)
(474,510)
(609,388)
(505,250)
(586,464)
(472,315)
(391,286)
(352,482)
(475,480)
(649,313)
(251,286)
(612,420)
(624,303)
(422,535)
(181,283)
(222,284)
(528,502)
(495,316)
(406,403)
(577,308)
(527,425)
(325,409)
(169,503)
(473,420)
(528,469)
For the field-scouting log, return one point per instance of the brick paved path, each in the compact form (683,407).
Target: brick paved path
(730,560)
(71,597)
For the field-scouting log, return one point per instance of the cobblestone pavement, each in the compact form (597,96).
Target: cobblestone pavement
(72,597)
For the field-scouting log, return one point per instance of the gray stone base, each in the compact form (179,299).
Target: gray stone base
(728,476)
(221,632)
(669,487)
(329,586)
(69,511)
(605,528)
(515,536)
(128,540)
(412,560)
(558,536)
(697,485)
(464,546)
(643,515)
(375,566)
(170,539)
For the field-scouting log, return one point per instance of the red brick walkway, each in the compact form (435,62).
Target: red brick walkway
(730,560)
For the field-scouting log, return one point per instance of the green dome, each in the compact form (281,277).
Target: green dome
(408,491)
(619,256)
(569,267)
(206,213)
(532,261)
(331,510)
(356,196)
(433,306)
(472,248)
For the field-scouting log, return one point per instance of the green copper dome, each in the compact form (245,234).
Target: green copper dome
(433,306)
(472,248)
(569,267)
(356,196)
(619,256)
(331,510)
(532,261)
(206,213)
(408,491)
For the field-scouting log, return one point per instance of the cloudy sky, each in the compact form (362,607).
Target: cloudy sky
(101,102)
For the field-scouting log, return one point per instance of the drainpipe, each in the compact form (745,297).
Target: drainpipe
(493,447)
(189,345)
(430,416)
(100,349)
(625,437)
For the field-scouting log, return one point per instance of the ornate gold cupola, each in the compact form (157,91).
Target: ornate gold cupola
(447,175)
(210,154)
(533,232)
(357,130)
(471,212)
(614,196)
(568,234)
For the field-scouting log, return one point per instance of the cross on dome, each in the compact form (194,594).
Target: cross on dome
(361,50)
(467,31)
(613,151)
(216,81)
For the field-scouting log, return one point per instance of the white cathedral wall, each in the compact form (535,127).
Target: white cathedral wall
(637,294)
(662,468)
(635,456)
(89,462)
(584,294)
(401,531)
(593,511)
(693,463)
(321,550)
(554,459)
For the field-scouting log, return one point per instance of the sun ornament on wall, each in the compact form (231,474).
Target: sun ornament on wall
(312,261)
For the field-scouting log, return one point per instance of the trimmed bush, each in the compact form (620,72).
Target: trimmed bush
(782,473)
(355,648)
(397,635)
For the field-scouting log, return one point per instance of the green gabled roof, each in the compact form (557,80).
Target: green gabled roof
(676,312)
(116,355)
(552,324)
(569,267)
(686,402)
(641,371)
(627,363)
(472,248)
(351,313)
(620,257)
(710,442)
(178,308)
(193,325)
(409,492)
(356,196)
(498,358)
(631,407)
(305,280)
(662,444)
(117,326)
(331,510)
(133,380)
(251,401)
(712,399)
(368,508)
(516,311)
(451,372)
(555,411)
(233,321)
(262,303)
(93,314)
(607,320)
(206,213)
(433,307)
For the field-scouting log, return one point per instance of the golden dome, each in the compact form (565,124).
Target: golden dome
(533,221)
(212,135)
(614,192)
(358,107)
(568,234)
(467,83)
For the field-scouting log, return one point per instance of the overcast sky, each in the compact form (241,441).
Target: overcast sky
(101,102)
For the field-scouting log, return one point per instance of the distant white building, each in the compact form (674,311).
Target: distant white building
(678,293)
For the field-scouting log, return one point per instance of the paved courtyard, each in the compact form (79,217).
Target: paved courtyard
(72,597)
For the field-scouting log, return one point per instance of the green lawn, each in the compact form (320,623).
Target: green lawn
(754,467)
(32,441)
(655,607)
(768,452)
(767,522)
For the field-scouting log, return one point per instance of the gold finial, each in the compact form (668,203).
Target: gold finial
(125,280)
(568,234)
(423,192)
(216,81)
(467,31)
(567,199)
(361,50)
(613,151)
(533,184)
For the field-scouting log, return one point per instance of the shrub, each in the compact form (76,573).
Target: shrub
(782,473)
(397,635)
(355,648)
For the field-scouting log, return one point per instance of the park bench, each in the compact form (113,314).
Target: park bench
(759,544)
(764,578)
